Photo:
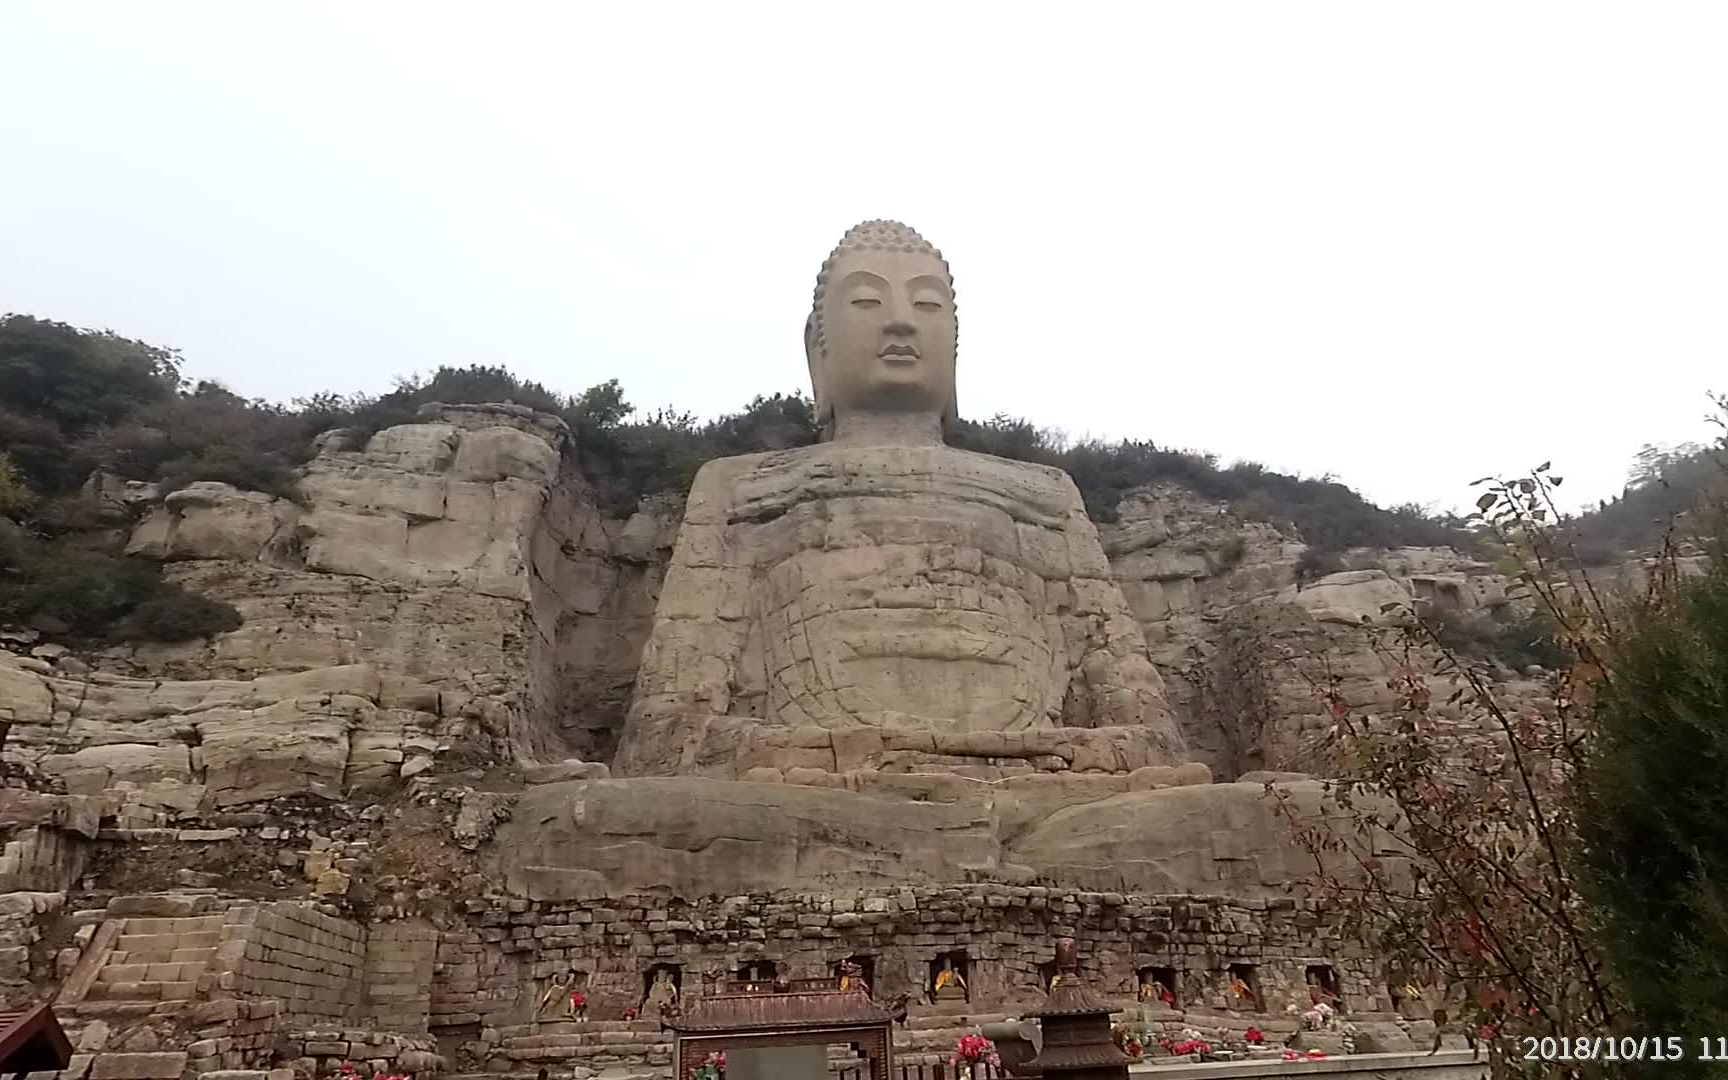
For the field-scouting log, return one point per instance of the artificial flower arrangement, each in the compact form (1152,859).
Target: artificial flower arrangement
(975,1050)
(630,1013)
(714,1068)
(1130,1040)
(1318,1018)
(349,1071)
(1297,1055)
(1255,1037)
(578,1004)
(1191,1042)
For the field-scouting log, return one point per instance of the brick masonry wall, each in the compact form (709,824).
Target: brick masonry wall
(24,969)
(400,960)
(309,961)
(42,860)
(321,1053)
(496,970)
(474,978)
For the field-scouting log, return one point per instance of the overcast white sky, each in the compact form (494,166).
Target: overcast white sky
(1407,244)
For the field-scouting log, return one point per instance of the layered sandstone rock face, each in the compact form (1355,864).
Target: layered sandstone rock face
(459,550)
(147,750)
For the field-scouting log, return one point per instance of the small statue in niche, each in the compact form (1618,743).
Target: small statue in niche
(949,985)
(562,999)
(662,999)
(1151,989)
(852,977)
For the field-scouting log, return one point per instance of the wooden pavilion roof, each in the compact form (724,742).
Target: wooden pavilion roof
(31,1040)
(801,1004)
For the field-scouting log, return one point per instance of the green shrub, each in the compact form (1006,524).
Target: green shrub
(177,615)
(1518,639)
(16,498)
(1315,563)
(91,595)
(1654,820)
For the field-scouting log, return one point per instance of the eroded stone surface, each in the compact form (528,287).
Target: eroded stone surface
(148,749)
(692,836)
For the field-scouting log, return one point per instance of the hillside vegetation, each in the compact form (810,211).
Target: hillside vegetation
(73,401)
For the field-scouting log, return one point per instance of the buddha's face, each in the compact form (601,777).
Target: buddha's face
(889,326)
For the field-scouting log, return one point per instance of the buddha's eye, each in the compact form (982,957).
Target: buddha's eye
(866,302)
(927,305)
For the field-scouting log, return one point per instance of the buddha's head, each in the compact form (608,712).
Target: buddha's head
(882,333)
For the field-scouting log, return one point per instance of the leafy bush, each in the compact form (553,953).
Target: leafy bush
(1665,485)
(58,384)
(1517,639)
(1315,563)
(177,615)
(92,595)
(1654,823)
(16,498)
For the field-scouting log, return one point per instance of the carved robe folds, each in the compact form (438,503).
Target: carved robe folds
(846,607)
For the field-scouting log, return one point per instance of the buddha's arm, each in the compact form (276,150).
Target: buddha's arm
(690,663)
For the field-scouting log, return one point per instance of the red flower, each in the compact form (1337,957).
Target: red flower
(1316,1054)
(1254,1036)
(630,1013)
(578,999)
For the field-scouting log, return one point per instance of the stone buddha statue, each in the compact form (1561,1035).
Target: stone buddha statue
(881,600)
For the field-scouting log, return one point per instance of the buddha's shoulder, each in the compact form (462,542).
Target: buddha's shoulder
(827,470)
(832,458)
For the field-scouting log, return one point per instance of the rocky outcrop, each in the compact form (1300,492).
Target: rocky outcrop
(458,551)
(149,751)
(1246,648)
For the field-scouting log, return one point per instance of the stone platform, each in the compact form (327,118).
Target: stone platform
(693,837)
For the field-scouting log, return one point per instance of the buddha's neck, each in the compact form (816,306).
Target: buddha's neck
(888,429)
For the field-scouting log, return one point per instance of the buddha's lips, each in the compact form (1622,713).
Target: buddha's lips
(898,352)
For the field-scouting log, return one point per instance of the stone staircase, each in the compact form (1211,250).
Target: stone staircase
(602,1050)
(927,1037)
(622,1049)
(137,1006)
(159,959)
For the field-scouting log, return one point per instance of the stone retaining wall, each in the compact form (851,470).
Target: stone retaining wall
(309,961)
(1007,934)
(23,967)
(400,961)
(1445,1065)
(321,1053)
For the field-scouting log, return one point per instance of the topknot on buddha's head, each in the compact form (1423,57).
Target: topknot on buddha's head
(879,235)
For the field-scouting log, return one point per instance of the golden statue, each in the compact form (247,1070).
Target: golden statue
(1243,992)
(949,982)
(1153,990)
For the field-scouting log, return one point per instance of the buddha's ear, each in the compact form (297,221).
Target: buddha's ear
(813,358)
